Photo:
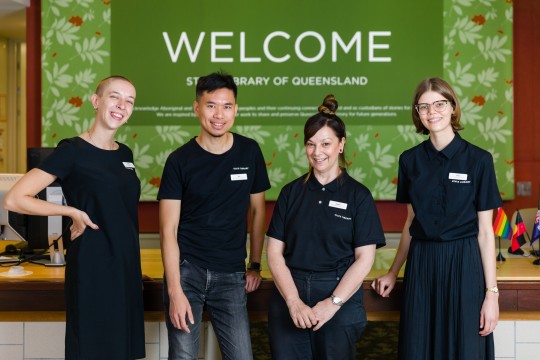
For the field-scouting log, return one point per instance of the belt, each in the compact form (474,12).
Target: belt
(331,274)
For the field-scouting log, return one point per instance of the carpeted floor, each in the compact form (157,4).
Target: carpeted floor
(379,341)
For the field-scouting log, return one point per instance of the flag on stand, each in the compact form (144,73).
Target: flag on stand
(536,228)
(501,226)
(517,236)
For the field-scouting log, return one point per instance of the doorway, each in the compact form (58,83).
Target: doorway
(12,87)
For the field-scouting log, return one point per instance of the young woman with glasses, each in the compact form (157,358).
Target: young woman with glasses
(450,297)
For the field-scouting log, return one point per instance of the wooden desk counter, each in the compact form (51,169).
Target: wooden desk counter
(43,291)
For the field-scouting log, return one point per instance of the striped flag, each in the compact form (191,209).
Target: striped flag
(501,226)
(517,236)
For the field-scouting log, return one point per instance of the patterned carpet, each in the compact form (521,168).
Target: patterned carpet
(379,341)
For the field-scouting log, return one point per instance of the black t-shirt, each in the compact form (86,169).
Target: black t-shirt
(321,225)
(447,188)
(214,190)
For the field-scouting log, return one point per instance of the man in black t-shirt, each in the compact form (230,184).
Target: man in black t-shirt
(208,186)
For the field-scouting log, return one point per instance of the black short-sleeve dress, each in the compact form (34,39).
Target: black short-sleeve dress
(103,282)
(444,285)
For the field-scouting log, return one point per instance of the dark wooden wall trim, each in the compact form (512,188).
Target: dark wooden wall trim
(49,296)
(33,76)
(526,100)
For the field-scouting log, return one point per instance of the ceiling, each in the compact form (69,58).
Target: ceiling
(13,19)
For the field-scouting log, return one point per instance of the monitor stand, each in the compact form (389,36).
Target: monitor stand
(55,258)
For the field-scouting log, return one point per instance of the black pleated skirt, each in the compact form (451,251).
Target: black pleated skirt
(444,290)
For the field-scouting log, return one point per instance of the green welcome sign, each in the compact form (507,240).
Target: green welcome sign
(285,57)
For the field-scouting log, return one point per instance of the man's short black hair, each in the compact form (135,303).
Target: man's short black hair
(215,81)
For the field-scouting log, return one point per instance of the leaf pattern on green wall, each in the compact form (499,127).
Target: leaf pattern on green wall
(477,61)
(172,134)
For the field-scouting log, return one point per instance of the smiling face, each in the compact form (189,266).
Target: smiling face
(323,150)
(115,103)
(216,111)
(433,120)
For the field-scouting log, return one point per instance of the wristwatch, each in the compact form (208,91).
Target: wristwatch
(336,300)
(493,289)
(255,266)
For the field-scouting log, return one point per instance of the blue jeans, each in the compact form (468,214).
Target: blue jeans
(224,297)
(334,340)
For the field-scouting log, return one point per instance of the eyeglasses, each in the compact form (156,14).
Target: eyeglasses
(438,106)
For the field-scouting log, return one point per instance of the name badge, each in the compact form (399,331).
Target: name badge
(129,165)
(337,204)
(457,176)
(238,177)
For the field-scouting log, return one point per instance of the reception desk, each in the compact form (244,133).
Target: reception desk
(32,317)
(25,298)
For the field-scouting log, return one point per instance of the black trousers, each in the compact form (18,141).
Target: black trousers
(335,340)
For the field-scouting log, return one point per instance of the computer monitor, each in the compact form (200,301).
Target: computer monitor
(38,239)
(42,230)
(13,226)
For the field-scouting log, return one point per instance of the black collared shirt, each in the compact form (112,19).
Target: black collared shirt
(323,224)
(447,188)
